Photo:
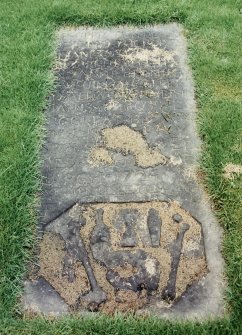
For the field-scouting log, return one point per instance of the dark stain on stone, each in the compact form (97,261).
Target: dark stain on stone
(169,292)
(128,219)
(177,218)
(154,225)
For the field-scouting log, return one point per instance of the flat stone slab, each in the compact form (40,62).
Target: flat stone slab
(124,224)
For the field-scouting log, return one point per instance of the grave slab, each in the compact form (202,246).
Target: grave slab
(124,223)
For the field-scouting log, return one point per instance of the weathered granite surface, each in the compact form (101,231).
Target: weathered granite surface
(124,223)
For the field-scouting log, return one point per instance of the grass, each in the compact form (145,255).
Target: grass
(27,27)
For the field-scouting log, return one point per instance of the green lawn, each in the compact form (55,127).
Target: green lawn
(27,28)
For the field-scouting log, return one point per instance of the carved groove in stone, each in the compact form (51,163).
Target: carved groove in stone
(136,251)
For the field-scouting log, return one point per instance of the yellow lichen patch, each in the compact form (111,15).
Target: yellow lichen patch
(126,301)
(154,55)
(51,262)
(121,91)
(126,270)
(232,170)
(100,156)
(150,266)
(112,104)
(189,271)
(175,161)
(128,141)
